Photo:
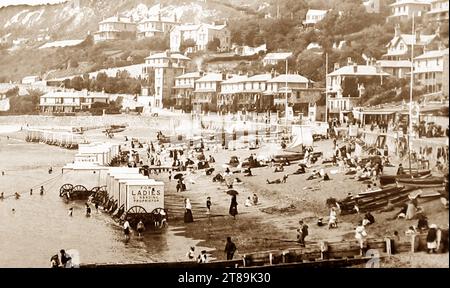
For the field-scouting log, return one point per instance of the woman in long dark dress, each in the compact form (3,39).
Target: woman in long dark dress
(233,207)
(188,218)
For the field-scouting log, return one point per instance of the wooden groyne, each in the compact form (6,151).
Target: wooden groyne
(333,254)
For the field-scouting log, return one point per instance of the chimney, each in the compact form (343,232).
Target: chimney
(201,73)
(336,66)
(397,31)
(355,68)
(418,32)
(272,73)
(349,60)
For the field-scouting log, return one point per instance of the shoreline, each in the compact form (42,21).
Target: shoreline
(271,224)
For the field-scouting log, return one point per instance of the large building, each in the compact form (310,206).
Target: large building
(399,48)
(207,88)
(438,11)
(184,90)
(155,25)
(397,68)
(115,28)
(314,16)
(201,34)
(70,101)
(431,71)
(285,85)
(406,9)
(161,70)
(232,92)
(346,85)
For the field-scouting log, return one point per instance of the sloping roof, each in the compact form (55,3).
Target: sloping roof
(215,27)
(235,79)
(259,78)
(189,75)
(278,56)
(433,54)
(62,43)
(187,27)
(72,94)
(167,55)
(362,70)
(156,18)
(315,12)
(211,77)
(416,2)
(394,63)
(289,78)
(117,19)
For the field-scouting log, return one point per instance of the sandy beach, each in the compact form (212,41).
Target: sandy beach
(269,225)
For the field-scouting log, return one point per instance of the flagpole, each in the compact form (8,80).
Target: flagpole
(326,90)
(411,98)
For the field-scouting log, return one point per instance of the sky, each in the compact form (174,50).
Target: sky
(30,2)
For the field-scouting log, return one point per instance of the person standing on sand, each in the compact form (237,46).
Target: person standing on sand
(233,207)
(208,205)
(302,232)
(230,249)
(126,230)
(188,218)
(31,192)
(41,192)
(360,236)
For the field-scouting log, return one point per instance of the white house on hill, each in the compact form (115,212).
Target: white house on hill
(115,28)
(201,34)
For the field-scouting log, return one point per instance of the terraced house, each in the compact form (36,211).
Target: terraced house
(184,90)
(207,88)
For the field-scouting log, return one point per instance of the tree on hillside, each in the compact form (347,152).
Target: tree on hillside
(12,92)
(35,95)
(213,45)
(77,83)
(185,44)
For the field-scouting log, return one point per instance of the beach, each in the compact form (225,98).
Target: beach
(269,225)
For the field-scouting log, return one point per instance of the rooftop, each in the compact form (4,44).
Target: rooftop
(62,43)
(394,63)
(316,12)
(259,78)
(189,75)
(411,2)
(290,78)
(211,77)
(278,56)
(236,79)
(411,39)
(433,54)
(167,55)
(361,70)
(117,19)
(74,94)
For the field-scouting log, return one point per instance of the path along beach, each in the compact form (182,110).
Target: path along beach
(40,226)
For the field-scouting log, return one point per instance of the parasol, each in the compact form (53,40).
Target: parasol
(232,192)
(178,176)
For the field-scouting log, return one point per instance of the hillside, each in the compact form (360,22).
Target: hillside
(73,19)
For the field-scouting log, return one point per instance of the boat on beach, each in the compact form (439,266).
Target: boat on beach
(428,182)
(391,179)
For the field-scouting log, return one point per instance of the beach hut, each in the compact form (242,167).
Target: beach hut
(115,189)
